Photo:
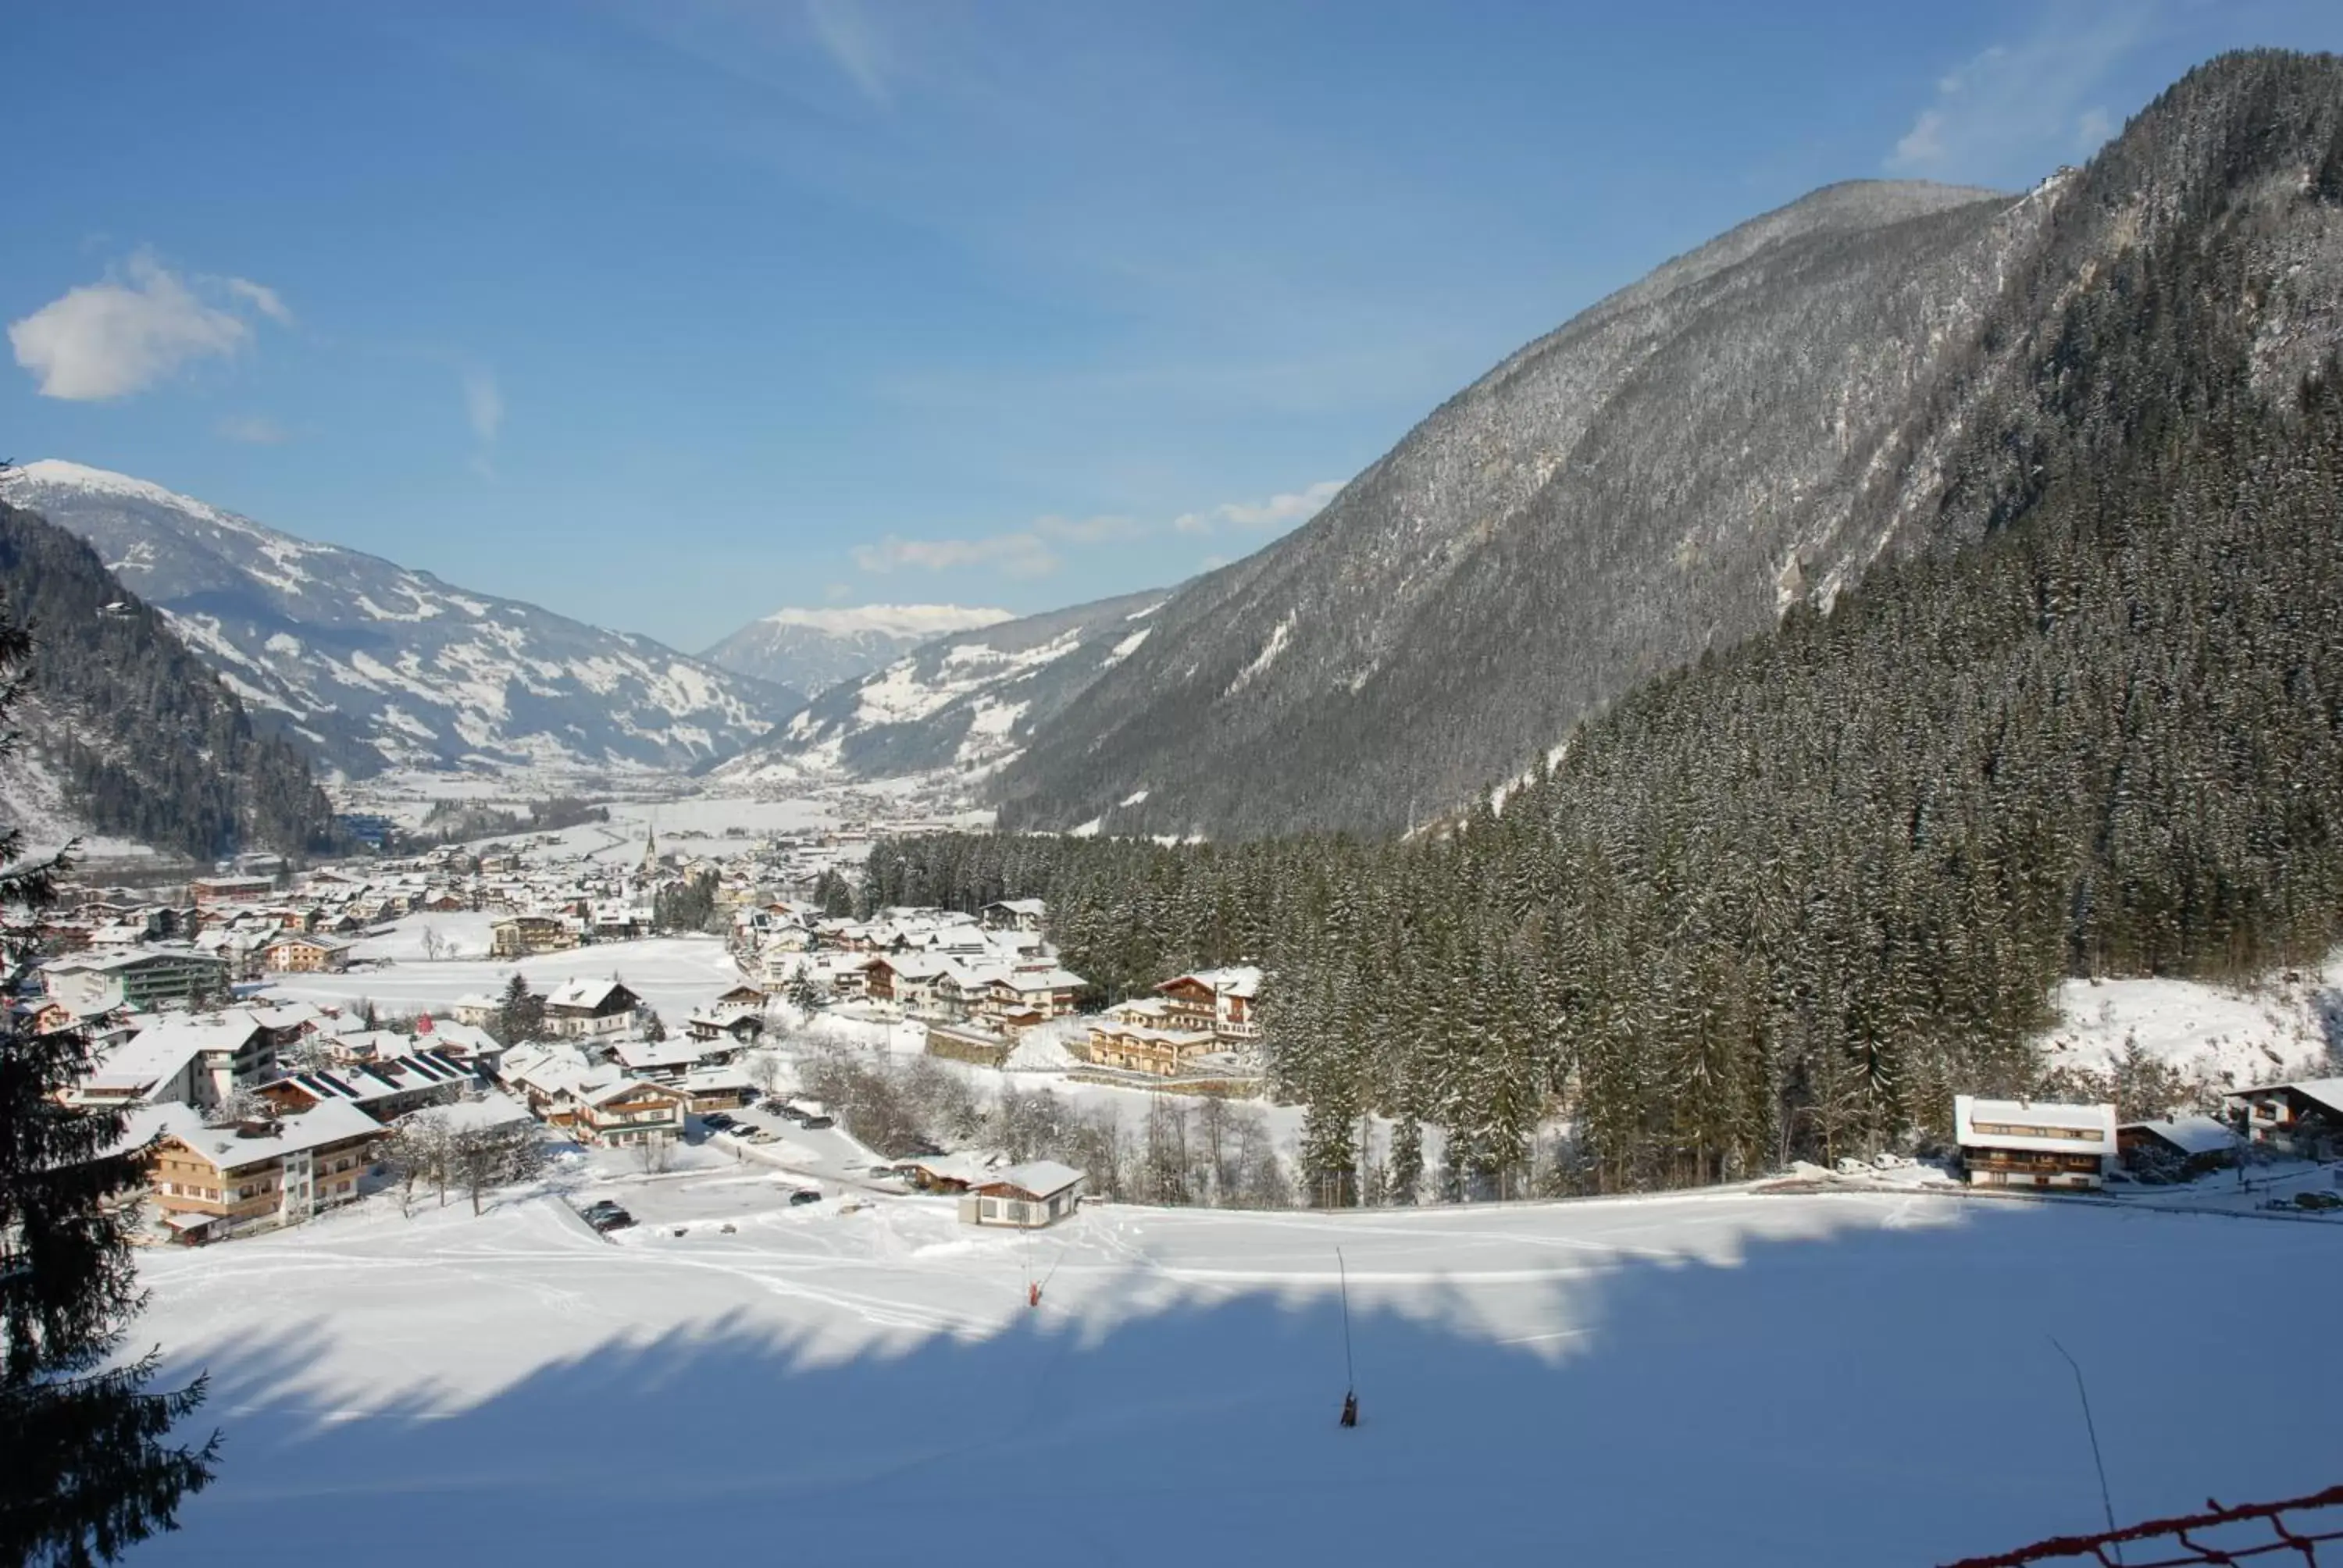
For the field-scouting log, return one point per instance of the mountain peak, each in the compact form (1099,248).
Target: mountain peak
(920,620)
(59,473)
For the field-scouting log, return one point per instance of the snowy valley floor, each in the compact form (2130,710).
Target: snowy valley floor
(1713,1378)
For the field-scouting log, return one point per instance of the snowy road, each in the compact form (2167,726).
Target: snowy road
(1724,1378)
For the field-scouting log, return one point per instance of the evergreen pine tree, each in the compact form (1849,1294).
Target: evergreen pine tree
(86,1464)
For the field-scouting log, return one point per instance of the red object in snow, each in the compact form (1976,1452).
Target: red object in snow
(423,1023)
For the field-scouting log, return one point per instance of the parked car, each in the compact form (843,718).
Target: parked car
(764,1135)
(601,1206)
(804,1195)
(2317,1200)
(717,1120)
(612,1220)
(774,1107)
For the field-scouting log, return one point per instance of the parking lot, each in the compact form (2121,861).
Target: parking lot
(827,1153)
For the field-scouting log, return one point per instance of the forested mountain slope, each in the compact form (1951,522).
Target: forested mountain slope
(370,665)
(1743,432)
(1790,900)
(143,740)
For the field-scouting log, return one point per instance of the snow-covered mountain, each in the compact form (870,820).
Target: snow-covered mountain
(373,665)
(1668,471)
(815,650)
(963,703)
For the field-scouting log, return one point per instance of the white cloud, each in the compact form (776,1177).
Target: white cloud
(2010,112)
(484,404)
(1030,551)
(1098,531)
(1022,553)
(128,332)
(255,430)
(1277,512)
(262,297)
(1922,146)
(849,37)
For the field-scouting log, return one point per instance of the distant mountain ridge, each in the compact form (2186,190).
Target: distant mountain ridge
(371,665)
(812,650)
(960,704)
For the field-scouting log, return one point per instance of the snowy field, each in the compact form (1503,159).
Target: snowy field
(695,825)
(1715,1378)
(674,974)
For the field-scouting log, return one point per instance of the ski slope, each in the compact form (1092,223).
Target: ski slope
(1724,1377)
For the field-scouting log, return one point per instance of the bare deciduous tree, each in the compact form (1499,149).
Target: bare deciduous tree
(485,1158)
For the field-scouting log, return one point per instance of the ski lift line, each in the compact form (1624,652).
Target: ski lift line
(1350,1372)
(2107,1502)
(1063,1250)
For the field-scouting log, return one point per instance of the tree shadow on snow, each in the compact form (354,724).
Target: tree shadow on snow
(1866,1395)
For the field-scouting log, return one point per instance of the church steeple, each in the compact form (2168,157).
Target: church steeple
(650,846)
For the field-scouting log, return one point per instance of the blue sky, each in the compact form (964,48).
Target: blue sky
(668,315)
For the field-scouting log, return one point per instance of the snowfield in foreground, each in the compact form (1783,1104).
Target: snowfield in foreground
(1713,1378)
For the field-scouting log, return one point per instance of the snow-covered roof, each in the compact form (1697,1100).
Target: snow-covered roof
(2190,1134)
(2324,1091)
(624,1088)
(586,994)
(673,1051)
(965,1167)
(1021,906)
(1171,1037)
(477,1113)
(156,1053)
(384,1079)
(1238,980)
(447,1034)
(108,962)
(227,1148)
(287,1015)
(1030,979)
(308,939)
(1036,1178)
(2062,1129)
